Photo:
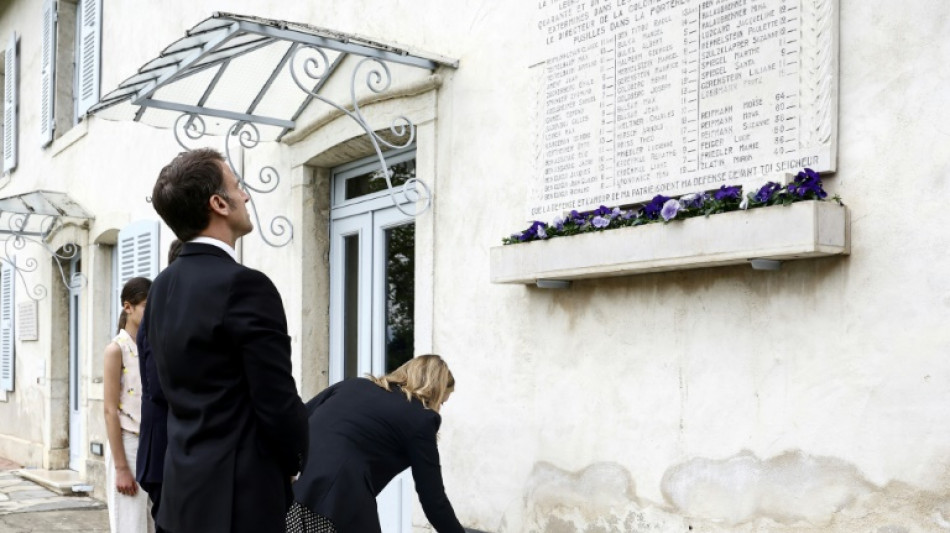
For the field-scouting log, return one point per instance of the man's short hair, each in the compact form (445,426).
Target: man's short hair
(183,189)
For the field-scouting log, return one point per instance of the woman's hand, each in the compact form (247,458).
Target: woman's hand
(125,481)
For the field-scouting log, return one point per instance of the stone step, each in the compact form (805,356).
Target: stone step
(62,482)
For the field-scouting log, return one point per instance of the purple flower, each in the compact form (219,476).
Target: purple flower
(766,192)
(600,222)
(627,215)
(652,209)
(693,201)
(601,211)
(807,184)
(728,193)
(578,218)
(670,209)
(559,223)
(616,213)
(534,232)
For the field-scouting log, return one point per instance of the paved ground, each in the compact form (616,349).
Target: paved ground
(26,507)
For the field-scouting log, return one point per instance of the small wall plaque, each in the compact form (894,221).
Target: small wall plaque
(27,328)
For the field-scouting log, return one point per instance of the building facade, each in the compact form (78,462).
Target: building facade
(811,398)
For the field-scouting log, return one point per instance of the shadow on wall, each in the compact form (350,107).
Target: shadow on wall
(790,492)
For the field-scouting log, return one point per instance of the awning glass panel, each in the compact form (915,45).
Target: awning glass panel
(237,67)
(37,213)
(252,78)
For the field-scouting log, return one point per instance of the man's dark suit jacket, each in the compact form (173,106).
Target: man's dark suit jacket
(153,430)
(361,436)
(237,429)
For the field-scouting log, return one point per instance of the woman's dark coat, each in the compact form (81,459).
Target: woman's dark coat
(361,437)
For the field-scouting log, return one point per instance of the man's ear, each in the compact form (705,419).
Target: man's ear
(218,204)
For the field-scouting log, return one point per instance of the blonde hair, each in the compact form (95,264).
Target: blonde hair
(426,378)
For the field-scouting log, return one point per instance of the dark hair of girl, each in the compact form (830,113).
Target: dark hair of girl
(135,291)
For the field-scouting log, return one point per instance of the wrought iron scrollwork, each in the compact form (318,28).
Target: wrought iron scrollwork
(16,243)
(402,130)
(191,127)
(311,64)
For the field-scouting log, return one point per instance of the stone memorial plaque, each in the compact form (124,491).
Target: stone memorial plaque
(27,325)
(647,97)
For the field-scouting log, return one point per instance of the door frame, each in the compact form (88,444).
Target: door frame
(366,217)
(75,430)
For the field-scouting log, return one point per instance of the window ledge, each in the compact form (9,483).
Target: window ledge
(70,137)
(797,231)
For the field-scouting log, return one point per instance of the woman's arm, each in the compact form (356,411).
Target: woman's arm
(427,474)
(112,381)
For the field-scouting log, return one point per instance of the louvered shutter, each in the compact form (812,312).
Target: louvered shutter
(138,252)
(48,74)
(7,359)
(10,102)
(90,40)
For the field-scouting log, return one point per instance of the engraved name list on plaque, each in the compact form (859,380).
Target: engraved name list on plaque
(647,97)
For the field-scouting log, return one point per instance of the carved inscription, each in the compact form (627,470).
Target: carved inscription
(646,97)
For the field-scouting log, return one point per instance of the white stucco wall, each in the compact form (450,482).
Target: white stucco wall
(807,399)
(727,399)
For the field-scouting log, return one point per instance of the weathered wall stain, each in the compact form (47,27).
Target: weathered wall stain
(791,493)
(600,498)
(788,488)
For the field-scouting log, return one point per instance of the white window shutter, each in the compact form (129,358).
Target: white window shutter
(138,251)
(88,55)
(7,355)
(10,102)
(48,74)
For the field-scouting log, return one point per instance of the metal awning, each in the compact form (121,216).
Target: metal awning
(38,213)
(32,218)
(255,78)
(246,68)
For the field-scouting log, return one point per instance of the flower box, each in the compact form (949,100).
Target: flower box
(779,232)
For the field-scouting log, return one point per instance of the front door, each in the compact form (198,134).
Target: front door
(75,411)
(372,268)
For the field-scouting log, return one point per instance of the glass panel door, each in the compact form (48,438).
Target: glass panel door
(372,272)
(394,243)
(350,297)
(393,305)
(75,410)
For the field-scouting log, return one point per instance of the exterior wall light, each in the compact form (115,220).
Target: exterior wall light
(765,264)
(95,448)
(553,284)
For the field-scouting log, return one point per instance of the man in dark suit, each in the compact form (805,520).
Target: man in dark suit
(153,426)
(237,429)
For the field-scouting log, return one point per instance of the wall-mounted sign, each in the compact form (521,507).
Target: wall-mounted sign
(26,317)
(647,97)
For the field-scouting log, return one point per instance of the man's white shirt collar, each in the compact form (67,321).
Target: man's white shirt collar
(220,244)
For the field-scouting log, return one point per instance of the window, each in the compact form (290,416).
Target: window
(7,360)
(361,180)
(136,254)
(72,38)
(8,86)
